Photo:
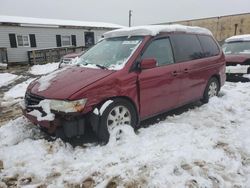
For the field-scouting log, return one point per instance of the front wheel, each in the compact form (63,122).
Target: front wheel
(119,112)
(212,89)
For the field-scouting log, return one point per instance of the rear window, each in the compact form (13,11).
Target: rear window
(186,47)
(209,46)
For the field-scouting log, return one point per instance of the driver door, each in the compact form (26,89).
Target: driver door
(160,86)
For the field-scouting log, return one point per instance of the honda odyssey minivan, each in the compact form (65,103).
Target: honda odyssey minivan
(131,75)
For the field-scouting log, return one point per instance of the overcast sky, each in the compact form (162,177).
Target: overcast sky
(116,11)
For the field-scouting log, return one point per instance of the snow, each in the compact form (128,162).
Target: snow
(3,65)
(96,111)
(237,69)
(104,106)
(76,61)
(92,66)
(39,22)
(238,38)
(154,30)
(18,91)
(45,81)
(7,78)
(43,69)
(208,146)
(246,76)
(45,104)
(245,52)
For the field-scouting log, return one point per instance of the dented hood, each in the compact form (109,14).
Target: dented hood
(63,83)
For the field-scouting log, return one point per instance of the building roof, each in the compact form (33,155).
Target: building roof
(155,29)
(205,18)
(42,22)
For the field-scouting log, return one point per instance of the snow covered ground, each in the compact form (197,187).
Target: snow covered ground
(7,78)
(18,91)
(43,69)
(208,146)
(237,69)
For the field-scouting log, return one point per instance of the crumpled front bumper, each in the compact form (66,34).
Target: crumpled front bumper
(71,124)
(47,126)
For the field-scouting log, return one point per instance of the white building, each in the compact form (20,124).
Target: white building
(18,35)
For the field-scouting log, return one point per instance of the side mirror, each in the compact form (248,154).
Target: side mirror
(148,63)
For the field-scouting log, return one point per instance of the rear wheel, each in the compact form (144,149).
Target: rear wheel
(212,89)
(119,112)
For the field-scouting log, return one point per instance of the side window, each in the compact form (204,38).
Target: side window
(161,50)
(186,47)
(209,46)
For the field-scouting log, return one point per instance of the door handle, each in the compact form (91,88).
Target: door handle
(174,73)
(186,70)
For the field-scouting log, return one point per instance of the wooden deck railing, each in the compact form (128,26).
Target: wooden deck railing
(3,55)
(51,54)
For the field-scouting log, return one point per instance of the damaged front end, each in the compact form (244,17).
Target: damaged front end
(62,119)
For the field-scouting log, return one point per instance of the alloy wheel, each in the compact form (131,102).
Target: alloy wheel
(212,90)
(119,115)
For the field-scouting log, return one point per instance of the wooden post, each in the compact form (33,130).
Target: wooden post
(58,54)
(34,57)
(44,56)
(50,56)
(6,57)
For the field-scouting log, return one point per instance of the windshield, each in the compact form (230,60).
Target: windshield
(240,47)
(110,53)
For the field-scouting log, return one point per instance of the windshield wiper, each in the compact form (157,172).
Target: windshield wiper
(101,66)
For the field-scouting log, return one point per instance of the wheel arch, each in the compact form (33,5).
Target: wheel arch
(205,98)
(218,79)
(124,98)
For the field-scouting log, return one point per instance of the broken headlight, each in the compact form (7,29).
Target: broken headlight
(68,106)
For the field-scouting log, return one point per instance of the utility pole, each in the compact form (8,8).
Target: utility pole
(129,19)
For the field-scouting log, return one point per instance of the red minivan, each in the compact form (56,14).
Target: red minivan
(237,54)
(133,74)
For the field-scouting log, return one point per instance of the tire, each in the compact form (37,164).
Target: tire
(106,123)
(212,89)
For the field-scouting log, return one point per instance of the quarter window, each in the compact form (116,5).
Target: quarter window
(23,40)
(66,40)
(186,47)
(161,50)
(209,46)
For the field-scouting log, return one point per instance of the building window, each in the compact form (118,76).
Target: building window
(23,40)
(89,39)
(66,40)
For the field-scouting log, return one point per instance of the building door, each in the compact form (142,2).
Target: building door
(89,39)
(3,55)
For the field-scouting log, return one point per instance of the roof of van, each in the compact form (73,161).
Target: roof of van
(155,29)
(238,38)
(44,22)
